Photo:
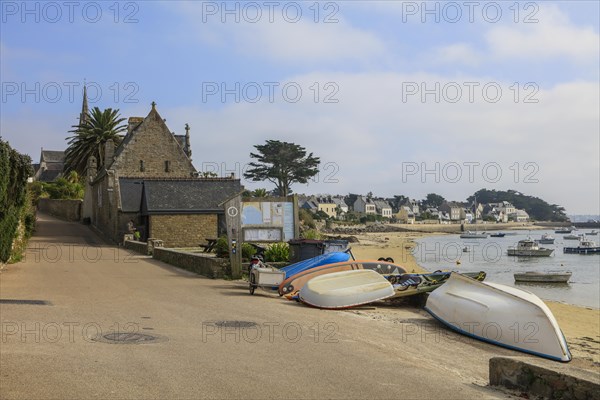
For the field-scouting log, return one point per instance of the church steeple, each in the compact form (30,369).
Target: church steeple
(84,107)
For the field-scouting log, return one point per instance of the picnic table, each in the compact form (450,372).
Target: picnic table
(209,246)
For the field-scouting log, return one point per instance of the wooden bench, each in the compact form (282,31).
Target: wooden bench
(209,246)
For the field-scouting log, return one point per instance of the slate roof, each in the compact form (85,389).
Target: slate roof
(187,196)
(50,175)
(131,194)
(53,156)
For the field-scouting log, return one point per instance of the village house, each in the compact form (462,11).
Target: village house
(405,215)
(150,179)
(341,206)
(519,216)
(365,205)
(455,211)
(50,166)
(383,208)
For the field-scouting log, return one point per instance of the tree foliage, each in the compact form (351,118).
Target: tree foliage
(15,169)
(434,200)
(283,164)
(89,139)
(537,208)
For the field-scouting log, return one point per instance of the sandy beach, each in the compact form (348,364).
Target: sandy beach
(581,325)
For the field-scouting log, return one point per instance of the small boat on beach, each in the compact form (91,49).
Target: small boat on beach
(346,289)
(411,284)
(585,247)
(500,315)
(498,235)
(543,277)
(473,235)
(529,248)
(546,239)
(293,284)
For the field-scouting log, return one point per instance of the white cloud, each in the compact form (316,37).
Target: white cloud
(302,42)
(457,53)
(553,36)
(371,132)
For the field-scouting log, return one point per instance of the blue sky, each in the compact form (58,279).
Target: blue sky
(362,67)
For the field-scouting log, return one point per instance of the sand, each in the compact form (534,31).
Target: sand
(581,325)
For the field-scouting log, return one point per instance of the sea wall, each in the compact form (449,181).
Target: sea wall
(211,267)
(548,379)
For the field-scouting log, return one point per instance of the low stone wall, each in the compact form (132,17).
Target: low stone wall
(551,380)
(210,267)
(69,210)
(138,247)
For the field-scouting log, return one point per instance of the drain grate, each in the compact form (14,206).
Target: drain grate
(129,338)
(235,324)
(27,302)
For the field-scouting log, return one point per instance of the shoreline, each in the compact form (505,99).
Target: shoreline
(580,324)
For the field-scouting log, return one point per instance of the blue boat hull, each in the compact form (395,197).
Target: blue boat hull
(329,258)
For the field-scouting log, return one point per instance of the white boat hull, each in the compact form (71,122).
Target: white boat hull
(499,314)
(346,289)
(530,253)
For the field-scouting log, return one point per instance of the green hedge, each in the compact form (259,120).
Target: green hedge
(15,168)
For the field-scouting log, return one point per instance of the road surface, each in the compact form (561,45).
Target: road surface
(91,293)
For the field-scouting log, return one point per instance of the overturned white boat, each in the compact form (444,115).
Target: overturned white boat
(346,289)
(500,315)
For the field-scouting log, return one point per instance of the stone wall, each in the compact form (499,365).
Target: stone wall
(69,210)
(183,230)
(153,143)
(138,247)
(549,379)
(210,267)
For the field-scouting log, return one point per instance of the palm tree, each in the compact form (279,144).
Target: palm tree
(259,192)
(90,137)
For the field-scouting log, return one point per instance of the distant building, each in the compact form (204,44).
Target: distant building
(50,167)
(519,216)
(150,178)
(383,208)
(365,205)
(455,211)
(406,215)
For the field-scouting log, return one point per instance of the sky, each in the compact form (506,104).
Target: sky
(395,98)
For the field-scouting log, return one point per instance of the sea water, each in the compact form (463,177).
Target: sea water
(490,255)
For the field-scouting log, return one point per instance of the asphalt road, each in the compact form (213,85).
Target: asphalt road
(59,350)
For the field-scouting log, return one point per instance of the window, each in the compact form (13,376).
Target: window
(141,165)
(167,165)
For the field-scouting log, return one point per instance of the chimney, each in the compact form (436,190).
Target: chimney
(133,122)
(188,147)
(109,152)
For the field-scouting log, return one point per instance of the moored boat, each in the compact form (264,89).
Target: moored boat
(593,233)
(529,248)
(346,289)
(292,285)
(546,239)
(563,230)
(543,277)
(585,247)
(473,235)
(500,315)
(498,235)
(572,237)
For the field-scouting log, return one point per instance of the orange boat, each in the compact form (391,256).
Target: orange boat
(292,285)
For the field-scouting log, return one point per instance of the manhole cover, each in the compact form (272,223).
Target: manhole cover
(129,338)
(235,324)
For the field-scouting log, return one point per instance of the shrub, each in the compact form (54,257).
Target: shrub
(312,234)
(306,217)
(248,250)
(278,252)
(222,246)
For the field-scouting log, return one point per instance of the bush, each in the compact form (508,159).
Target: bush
(306,217)
(278,252)
(222,246)
(312,234)
(248,250)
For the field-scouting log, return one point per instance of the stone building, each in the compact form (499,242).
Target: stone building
(149,178)
(50,166)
